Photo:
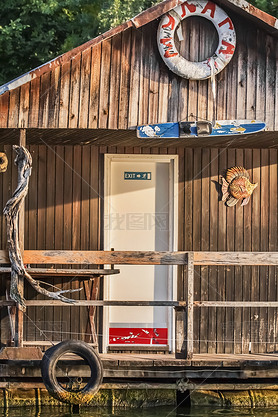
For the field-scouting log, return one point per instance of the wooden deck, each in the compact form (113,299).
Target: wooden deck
(225,368)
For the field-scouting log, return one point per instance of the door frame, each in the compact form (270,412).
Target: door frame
(173,232)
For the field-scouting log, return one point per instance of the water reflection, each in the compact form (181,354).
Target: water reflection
(150,412)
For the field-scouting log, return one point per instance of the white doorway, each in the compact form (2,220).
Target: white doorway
(140,213)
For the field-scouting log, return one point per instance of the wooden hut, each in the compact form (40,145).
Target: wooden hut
(77,116)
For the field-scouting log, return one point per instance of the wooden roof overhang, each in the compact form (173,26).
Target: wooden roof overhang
(127,138)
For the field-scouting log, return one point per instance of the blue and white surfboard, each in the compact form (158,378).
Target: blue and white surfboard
(187,129)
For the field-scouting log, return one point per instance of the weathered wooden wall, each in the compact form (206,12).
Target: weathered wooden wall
(64,211)
(122,81)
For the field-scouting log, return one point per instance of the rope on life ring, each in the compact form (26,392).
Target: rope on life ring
(166,44)
(79,395)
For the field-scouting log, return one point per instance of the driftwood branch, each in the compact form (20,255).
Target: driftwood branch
(23,161)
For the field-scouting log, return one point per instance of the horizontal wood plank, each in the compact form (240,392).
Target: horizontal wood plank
(236,304)
(105,257)
(98,303)
(143,257)
(65,272)
(235,258)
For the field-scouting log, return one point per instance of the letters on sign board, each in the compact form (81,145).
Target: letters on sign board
(137,175)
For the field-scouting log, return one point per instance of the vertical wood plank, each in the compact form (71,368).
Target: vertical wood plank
(182,214)
(44,99)
(124,80)
(4,109)
(64,95)
(196,238)
(24,105)
(251,74)
(50,223)
(231,81)
(32,224)
(230,276)
(238,270)
(264,236)
(163,95)
(85,76)
(76,226)
(213,290)
(180,332)
(190,306)
(67,244)
(54,98)
(270,83)
(33,119)
(95,198)
(242,75)
(272,246)
(14,108)
(115,80)
(247,270)
(85,226)
(205,230)
(261,76)
(134,77)
(104,83)
(59,225)
(144,76)
(95,87)
(74,91)
(222,246)
(154,85)
(41,313)
(255,285)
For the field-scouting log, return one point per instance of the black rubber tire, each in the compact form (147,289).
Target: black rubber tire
(48,366)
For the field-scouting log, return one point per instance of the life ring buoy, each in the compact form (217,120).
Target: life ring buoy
(65,394)
(166,43)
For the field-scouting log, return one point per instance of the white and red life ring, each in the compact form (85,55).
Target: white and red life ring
(177,63)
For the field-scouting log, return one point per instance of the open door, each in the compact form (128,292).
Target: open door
(140,214)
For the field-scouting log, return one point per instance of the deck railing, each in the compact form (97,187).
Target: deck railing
(184,309)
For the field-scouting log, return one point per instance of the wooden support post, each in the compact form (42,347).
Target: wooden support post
(190,305)
(180,328)
(19,314)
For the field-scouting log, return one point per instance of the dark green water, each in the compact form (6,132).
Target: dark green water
(151,412)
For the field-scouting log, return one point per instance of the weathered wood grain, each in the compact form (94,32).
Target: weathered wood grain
(236,258)
(259,304)
(84,97)
(105,257)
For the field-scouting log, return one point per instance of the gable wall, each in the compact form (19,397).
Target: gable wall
(122,82)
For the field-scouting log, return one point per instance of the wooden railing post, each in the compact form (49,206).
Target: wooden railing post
(190,305)
(184,316)
(180,336)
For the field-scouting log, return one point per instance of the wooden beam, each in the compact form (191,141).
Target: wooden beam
(236,258)
(18,341)
(180,332)
(99,303)
(105,257)
(144,258)
(151,258)
(236,304)
(51,272)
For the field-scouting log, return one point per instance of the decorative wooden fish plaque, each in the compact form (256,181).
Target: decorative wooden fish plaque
(237,186)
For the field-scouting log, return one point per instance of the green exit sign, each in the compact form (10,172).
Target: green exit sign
(137,175)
